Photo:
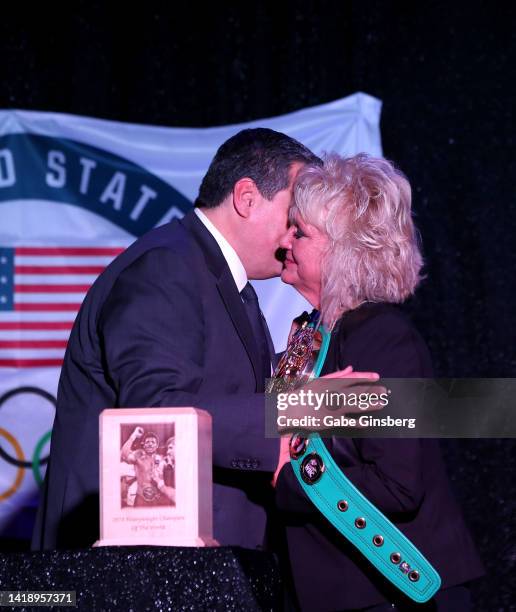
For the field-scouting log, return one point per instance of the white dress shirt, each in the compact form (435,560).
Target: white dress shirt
(236,266)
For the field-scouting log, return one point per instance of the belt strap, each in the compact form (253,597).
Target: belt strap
(355,517)
(358,520)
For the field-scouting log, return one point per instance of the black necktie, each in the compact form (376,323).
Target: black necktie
(259,326)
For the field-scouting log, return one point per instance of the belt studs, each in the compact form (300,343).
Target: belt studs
(312,468)
(297,446)
(395,558)
(413,576)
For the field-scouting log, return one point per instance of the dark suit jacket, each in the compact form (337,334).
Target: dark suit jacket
(405,478)
(164,325)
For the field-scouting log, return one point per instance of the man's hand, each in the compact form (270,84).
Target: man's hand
(126,452)
(349,373)
(318,398)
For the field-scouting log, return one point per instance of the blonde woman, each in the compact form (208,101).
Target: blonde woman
(352,251)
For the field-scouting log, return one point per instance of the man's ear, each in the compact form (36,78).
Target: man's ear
(245,195)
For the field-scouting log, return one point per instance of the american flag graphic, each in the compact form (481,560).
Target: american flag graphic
(41,290)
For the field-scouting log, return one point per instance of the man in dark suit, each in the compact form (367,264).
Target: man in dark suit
(170,322)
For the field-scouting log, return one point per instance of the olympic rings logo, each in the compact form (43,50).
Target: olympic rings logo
(19,460)
(19,472)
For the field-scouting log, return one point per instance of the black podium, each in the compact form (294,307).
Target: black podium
(150,578)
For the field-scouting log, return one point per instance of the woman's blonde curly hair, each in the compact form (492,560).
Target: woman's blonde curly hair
(363,205)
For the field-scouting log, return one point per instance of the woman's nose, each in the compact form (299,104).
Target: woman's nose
(286,239)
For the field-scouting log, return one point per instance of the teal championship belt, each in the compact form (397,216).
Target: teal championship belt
(333,494)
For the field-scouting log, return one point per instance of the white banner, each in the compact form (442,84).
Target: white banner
(74,192)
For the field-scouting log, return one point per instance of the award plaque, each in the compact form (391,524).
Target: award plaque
(155,477)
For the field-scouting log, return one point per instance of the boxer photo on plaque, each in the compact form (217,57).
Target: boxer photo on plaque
(147,460)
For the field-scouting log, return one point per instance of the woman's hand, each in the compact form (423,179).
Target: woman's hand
(284,457)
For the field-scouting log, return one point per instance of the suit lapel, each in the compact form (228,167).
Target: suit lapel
(228,291)
(236,310)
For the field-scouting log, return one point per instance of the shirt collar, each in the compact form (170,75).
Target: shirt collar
(236,266)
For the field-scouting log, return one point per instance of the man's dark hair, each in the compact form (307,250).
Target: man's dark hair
(148,435)
(261,154)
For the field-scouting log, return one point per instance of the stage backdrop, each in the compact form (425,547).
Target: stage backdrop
(74,192)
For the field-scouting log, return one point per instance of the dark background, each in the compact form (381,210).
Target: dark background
(445,72)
